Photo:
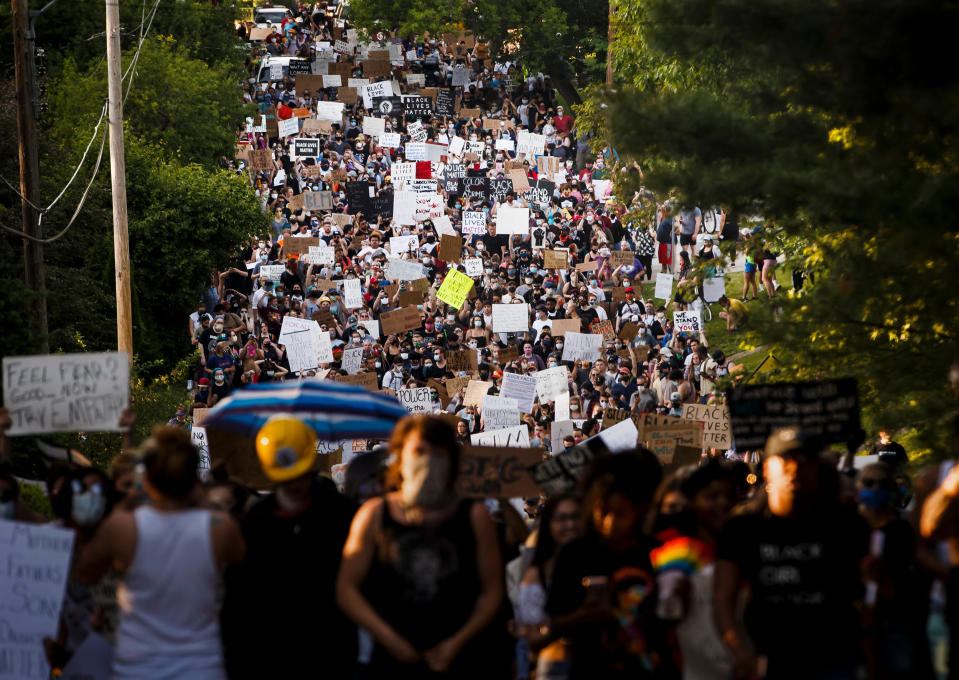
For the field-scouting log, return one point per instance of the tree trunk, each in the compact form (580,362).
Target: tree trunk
(559,75)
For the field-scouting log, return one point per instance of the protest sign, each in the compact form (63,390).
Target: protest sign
(390,140)
(373,126)
(323,344)
(714,288)
(555,259)
(316,201)
(313,126)
(621,258)
(590,266)
(604,328)
(455,385)
(558,429)
(476,392)
(445,102)
(474,222)
(664,286)
(499,413)
(520,387)
(332,81)
(199,415)
(620,437)
(540,193)
(510,318)
(417,132)
(582,347)
(365,380)
(300,337)
(415,400)
(36,561)
(66,392)
(444,225)
(497,472)
(416,151)
(474,267)
(202,445)
(418,107)
(321,255)
(409,297)
(271,272)
(352,360)
(512,220)
(461,360)
(664,442)
(518,435)
(520,180)
(261,159)
(686,322)
(450,247)
(404,270)
(288,126)
(352,294)
(552,382)
(455,288)
(565,326)
(331,111)
(400,320)
(829,409)
(561,472)
(717,432)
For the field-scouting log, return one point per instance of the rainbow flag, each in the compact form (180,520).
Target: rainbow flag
(684,554)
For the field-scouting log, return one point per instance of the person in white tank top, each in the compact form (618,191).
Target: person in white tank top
(168,554)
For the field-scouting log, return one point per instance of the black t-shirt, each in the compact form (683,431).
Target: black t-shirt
(495,244)
(804,576)
(617,648)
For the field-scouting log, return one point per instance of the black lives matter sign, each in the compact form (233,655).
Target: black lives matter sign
(418,107)
(498,188)
(388,106)
(306,148)
(445,102)
(829,409)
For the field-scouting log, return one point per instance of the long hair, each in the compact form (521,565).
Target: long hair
(546,547)
(433,430)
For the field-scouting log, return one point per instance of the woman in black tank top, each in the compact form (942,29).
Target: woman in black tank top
(421,569)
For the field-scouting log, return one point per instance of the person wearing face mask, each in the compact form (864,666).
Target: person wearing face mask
(172,632)
(421,568)
(219,389)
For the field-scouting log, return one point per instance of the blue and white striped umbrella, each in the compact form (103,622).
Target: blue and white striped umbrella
(335,411)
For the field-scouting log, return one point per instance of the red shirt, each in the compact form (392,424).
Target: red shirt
(563,123)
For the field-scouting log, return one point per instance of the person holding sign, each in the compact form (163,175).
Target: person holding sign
(168,626)
(421,569)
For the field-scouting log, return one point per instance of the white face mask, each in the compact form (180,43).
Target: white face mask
(425,480)
(88,507)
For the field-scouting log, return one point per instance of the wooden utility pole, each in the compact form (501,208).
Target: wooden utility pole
(609,46)
(33,273)
(121,247)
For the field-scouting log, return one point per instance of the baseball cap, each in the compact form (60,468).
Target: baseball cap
(792,441)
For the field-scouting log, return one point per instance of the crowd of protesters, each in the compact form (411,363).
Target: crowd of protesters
(775,564)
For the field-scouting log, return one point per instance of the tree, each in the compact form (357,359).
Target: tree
(835,125)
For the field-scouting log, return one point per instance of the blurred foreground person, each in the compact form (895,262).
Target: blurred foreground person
(421,569)
(168,554)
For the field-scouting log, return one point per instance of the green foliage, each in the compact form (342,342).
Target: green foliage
(183,105)
(34,498)
(835,125)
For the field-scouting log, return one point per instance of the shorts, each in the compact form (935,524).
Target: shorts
(665,253)
(750,268)
(686,239)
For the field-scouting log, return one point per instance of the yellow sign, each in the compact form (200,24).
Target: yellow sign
(456,286)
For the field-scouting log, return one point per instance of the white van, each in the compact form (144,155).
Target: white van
(298,64)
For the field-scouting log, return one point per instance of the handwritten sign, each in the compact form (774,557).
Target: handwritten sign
(36,563)
(403,319)
(415,400)
(561,473)
(66,392)
(404,270)
(604,328)
(555,259)
(450,247)
(365,380)
(511,318)
(664,442)
(582,347)
(476,392)
(717,432)
(552,382)
(497,472)
(300,336)
(352,293)
(474,222)
(686,322)
(271,272)
(664,286)
(461,360)
(474,267)
(352,360)
(517,435)
(520,387)
(455,288)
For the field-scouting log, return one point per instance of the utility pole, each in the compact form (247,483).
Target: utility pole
(121,247)
(29,172)
(609,46)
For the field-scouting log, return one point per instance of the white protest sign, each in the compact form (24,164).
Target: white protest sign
(404,207)
(416,151)
(511,318)
(620,437)
(512,220)
(499,413)
(474,267)
(404,270)
(373,127)
(66,392)
(202,445)
(520,387)
(422,186)
(321,254)
(686,322)
(415,400)
(390,140)
(332,111)
(714,288)
(324,346)
(357,82)
(279,178)
(505,144)
(552,382)
(416,131)
(332,81)
(456,146)
(352,293)
(287,127)
(511,436)
(474,222)
(352,360)
(36,563)
(298,336)
(582,346)
(601,188)
(664,286)
(403,171)
(460,76)
(416,78)
(276,71)
(557,430)
(404,245)
(372,327)
(271,272)
(443,225)
(561,407)
(381,89)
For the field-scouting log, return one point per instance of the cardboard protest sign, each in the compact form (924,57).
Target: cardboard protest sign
(66,392)
(299,245)
(555,259)
(400,320)
(366,380)
(565,326)
(590,266)
(308,83)
(450,248)
(604,328)
(520,387)
(462,360)
(621,258)
(324,317)
(664,287)
(717,431)
(415,400)
(455,385)
(434,384)
(36,565)
(686,322)
(455,288)
(561,472)
(410,297)
(497,471)
(313,126)
(476,392)
(664,441)
(261,160)
(829,409)
(510,318)
(469,113)
(347,95)
(517,435)
(582,347)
